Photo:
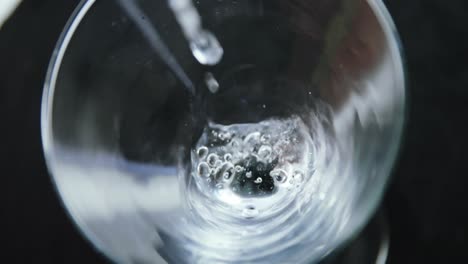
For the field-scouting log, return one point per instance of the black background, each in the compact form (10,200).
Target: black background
(425,203)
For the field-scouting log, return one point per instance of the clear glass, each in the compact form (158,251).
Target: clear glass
(279,153)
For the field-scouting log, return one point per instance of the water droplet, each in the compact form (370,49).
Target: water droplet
(264,151)
(248,174)
(202,152)
(279,175)
(206,48)
(219,186)
(298,176)
(234,143)
(263,106)
(212,158)
(258,180)
(229,173)
(203,169)
(224,170)
(239,168)
(211,82)
(250,212)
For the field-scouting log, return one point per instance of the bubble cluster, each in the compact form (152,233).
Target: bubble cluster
(240,165)
(245,181)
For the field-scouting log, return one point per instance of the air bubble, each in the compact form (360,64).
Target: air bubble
(222,136)
(212,158)
(298,176)
(202,152)
(250,212)
(234,143)
(265,138)
(203,169)
(264,151)
(224,171)
(227,157)
(218,163)
(239,168)
(279,175)
(258,180)
(228,173)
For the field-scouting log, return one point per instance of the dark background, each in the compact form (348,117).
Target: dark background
(425,203)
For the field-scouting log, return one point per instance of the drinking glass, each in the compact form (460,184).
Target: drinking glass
(278,153)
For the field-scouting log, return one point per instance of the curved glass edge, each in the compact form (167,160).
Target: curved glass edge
(396,52)
(46,120)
